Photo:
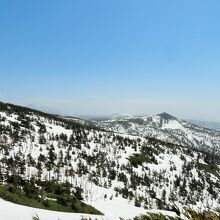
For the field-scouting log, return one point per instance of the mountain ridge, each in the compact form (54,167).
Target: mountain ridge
(112,170)
(166,127)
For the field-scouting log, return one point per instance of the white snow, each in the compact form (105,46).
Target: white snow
(10,211)
(172,124)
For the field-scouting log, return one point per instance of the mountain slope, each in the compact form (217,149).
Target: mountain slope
(167,128)
(114,172)
(26,213)
(207,124)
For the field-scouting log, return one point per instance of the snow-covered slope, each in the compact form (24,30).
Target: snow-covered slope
(167,128)
(27,213)
(10,211)
(121,175)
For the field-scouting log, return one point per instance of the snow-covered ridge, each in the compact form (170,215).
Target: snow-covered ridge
(167,128)
(121,175)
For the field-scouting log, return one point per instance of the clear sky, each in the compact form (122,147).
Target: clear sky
(112,56)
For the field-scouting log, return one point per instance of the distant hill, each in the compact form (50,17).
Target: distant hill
(167,128)
(207,124)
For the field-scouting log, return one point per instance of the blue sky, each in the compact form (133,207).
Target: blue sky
(114,56)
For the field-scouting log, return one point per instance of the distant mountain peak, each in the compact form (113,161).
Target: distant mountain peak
(167,128)
(166,116)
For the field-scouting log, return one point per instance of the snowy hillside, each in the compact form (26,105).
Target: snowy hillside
(167,128)
(26,213)
(120,175)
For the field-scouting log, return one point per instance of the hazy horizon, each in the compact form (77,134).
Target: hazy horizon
(108,115)
(101,58)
